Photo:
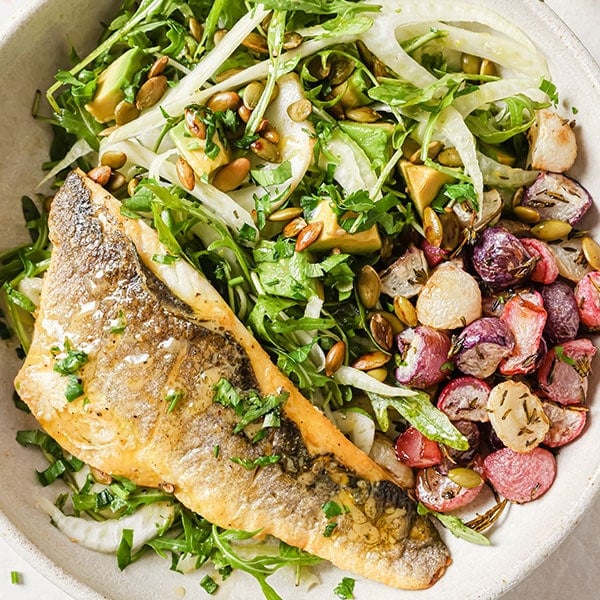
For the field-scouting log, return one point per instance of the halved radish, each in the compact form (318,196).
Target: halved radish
(566,423)
(465,398)
(587,298)
(546,268)
(437,491)
(415,450)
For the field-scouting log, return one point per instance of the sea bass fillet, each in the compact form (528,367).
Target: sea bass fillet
(179,336)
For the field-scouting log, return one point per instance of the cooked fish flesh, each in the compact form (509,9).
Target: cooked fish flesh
(180,336)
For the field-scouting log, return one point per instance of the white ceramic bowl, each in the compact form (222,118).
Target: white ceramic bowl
(32,49)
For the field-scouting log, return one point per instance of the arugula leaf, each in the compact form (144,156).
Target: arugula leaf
(456,526)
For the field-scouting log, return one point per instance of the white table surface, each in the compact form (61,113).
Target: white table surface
(571,572)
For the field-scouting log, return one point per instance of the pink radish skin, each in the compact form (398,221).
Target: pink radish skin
(566,423)
(438,492)
(546,268)
(415,450)
(465,398)
(520,477)
(587,298)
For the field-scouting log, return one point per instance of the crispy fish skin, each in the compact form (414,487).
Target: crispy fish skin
(179,336)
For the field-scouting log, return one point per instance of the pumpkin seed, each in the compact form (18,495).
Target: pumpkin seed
(341,69)
(379,69)
(334,359)
(382,332)
(254,90)
(266,150)
(244,113)
(371,360)
(432,227)
(308,235)
(466,478)
(518,196)
(133,183)
(300,110)
(368,286)
(363,114)
(232,175)
(125,112)
(450,158)
(285,214)
(256,43)
(526,214)
(196,29)
(591,251)
(551,230)
(116,182)
(410,148)
(318,68)
(452,230)
(113,159)
(487,68)
(168,488)
(100,476)
(394,321)
(151,92)
(185,174)
(222,101)
(291,40)
(194,124)
(471,64)
(270,134)
(219,35)
(294,227)
(158,67)
(378,374)
(405,311)
(100,174)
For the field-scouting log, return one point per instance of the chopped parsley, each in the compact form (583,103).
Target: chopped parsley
(261,461)
(345,589)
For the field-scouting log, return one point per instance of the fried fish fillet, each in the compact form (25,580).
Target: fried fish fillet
(179,336)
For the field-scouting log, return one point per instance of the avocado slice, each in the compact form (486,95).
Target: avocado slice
(193,149)
(333,236)
(423,183)
(111,82)
(375,139)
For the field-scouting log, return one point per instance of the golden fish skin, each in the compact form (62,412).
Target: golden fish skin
(179,336)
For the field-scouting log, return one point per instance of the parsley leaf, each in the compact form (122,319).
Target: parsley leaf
(345,589)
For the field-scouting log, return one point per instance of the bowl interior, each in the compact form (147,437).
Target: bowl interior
(33,49)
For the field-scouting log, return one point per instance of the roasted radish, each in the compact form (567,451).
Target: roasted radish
(552,142)
(587,299)
(566,423)
(407,276)
(438,491)
(562,322)
(465,398)
(415,450)
(546,268)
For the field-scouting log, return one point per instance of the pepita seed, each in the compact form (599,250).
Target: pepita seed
(125,112)
(378,374)
(254,90)
(256,43)
(368,286)
(405,311)
(168,488)
(196,29)
(285,214)
(308,235)
(157,68)
(194,124)
(341,69)
(113,159)
(227,73)
(551,230)
(394,321)
(487,68)
(300,110)
(432,227)
(244,113)
(232,175)
(362,114)
(100,174)
(526,214)
(518,196)
(334,359)
(219,35)
(382,332)
(450,158)
(133,183)
(100,476)
(371,360)
(591,251)
(379,69)
(266,150)
(151,92)
(318,68)
(294,227)
(291,40)
(116,181)
(270,134)
(467,478)
(222,101)
(185,174)
(471,64)
(410,148)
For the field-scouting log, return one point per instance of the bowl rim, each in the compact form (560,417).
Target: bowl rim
(70,585)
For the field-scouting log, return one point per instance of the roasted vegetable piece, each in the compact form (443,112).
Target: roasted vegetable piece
(465,398)
(434,255)
(552,142)
(437,491)
(566,423)
(462,457)
(500,259)
(562,322)
(520,477)
(415,450)
(450,299)
(383,452)
(526,317)
(423,355)
(481,346)
(570,259)
(556,196)
(587,298)
(546,268)
(564,372)
(407,275)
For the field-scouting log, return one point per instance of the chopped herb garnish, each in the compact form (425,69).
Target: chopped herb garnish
(15,577)
(209,585)
(173,398)
(345,589)
(74,388)
(333,509)
(261,461)
(72,362)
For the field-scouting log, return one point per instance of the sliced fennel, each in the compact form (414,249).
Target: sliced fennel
(363,381)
